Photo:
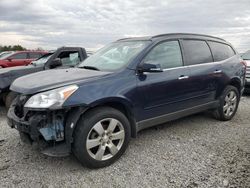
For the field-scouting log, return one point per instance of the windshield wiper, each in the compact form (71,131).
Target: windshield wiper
(90,67)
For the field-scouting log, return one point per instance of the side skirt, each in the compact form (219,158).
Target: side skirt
(175,115)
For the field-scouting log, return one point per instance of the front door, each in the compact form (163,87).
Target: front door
(167,91)
(19,59)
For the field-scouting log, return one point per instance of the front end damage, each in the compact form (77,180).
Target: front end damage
(51,129)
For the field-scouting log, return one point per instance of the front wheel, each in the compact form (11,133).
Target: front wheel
(229,102)
(101,137)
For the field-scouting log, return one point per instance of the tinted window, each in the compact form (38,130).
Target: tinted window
(35,55)
(221,51)
(167,54)
(19,56)
(70,58)
(196,52)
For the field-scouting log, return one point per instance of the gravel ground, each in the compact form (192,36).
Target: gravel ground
(195,151)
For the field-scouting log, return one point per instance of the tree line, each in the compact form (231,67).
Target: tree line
(11,48)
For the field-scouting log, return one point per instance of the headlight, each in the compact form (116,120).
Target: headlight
(51,99)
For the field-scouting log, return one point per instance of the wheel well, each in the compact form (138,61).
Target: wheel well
(236,83)
(122,108)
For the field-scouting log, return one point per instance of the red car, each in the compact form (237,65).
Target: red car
(18,58)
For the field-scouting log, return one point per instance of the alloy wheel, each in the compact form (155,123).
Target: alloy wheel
(230,103)
(105,139)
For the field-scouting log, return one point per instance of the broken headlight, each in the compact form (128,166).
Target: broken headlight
(51,99)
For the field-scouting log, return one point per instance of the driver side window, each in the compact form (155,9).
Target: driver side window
(19,56)
(167,54)
(71,58)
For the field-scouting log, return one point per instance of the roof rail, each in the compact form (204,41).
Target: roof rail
(169,34)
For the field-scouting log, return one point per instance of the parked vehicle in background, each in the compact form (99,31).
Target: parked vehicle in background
(62,57)
(127,86)
(246,58)
(5,53)
(19,58)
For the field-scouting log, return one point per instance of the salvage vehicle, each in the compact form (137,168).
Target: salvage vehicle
(246,58)
(62,57)
(19,58)
(127,86)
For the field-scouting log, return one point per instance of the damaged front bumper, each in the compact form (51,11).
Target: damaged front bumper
(54,129)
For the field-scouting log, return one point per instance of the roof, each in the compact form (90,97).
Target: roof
(175,35)
(39,51)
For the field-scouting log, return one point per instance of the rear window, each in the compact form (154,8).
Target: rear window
(221,51)
(196,52)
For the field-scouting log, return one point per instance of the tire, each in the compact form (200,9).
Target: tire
(9,98)
(229,101)
(95,127)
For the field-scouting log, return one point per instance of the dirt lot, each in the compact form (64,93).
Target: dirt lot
(195,151)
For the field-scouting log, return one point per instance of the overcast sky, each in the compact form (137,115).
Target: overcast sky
(94,23)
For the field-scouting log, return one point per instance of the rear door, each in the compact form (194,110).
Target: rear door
(204,72)
(18,59)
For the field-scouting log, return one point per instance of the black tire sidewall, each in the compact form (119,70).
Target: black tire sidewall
(85,124)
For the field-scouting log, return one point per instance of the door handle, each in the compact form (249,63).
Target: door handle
(182,77)
(217,71)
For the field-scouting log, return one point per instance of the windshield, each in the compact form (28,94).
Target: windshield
(3,55)
(246,56)
(42,60)
(114,56)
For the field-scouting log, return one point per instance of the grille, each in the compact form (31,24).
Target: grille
(248,72)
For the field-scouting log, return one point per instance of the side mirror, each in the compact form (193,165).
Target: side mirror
(55,63)
(147,67)
(9,59)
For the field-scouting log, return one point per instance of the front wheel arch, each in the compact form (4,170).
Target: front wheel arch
(74,114)
(123,106)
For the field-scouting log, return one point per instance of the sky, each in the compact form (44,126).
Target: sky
(94,23)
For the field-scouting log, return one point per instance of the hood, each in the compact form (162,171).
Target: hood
(50,79)
(8,75)
(13,70)
(3,61)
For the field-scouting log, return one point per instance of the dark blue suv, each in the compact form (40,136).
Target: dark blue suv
(134,83)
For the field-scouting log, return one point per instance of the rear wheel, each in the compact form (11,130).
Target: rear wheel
(229,102)
(101,137)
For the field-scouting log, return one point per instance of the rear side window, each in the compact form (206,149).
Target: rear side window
(196,52)
(34,55)
(221,51)
(19,56)
(167,54)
